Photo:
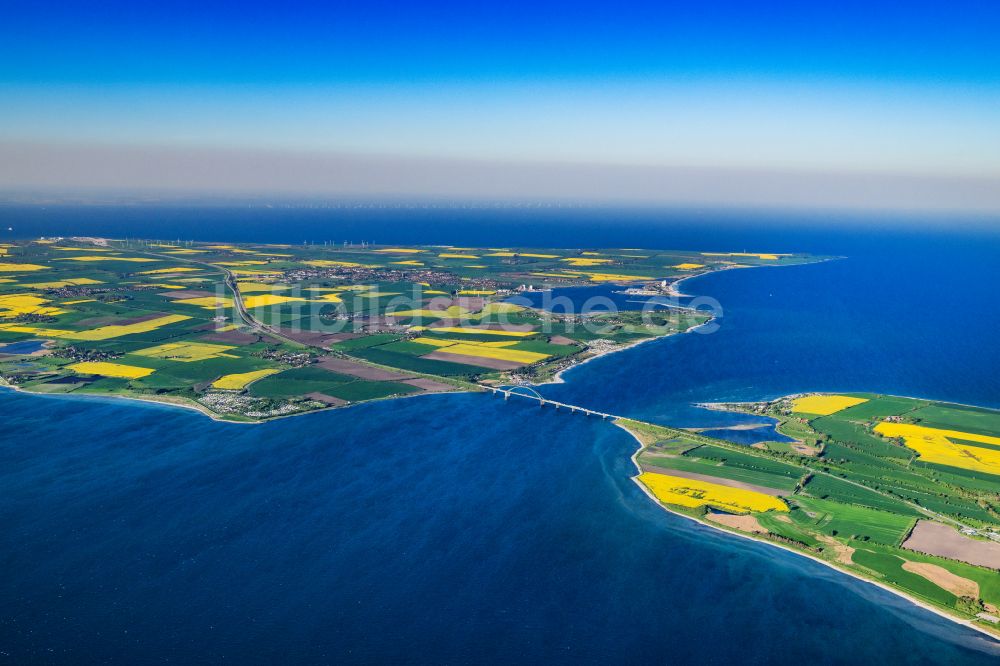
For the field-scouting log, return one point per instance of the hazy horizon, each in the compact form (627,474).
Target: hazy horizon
(853,107)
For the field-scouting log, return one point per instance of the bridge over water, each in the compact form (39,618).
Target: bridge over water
(529,393)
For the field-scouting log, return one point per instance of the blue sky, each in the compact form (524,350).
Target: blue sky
(389,42)
(847,87)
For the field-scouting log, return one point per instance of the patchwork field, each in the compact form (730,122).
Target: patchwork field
(899,490)
(246,331)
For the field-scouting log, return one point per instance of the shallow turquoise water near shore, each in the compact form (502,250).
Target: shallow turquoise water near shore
(464,529)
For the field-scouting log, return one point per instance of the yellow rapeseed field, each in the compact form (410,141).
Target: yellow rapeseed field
(264,300)
(80,249)
(482,331)
(449,255)
(58,284)
(409,262)
(12,305)
(174,269)
(689,267)
(936,445)
(497,308)
(486,351)
(451,312)
(767,255)
(584,261)
(695,493)
(185,351)
(613,277)
(20,268)
(249,287)
(824,405)
(434,342)
(34,330)
(209,302)
(96,257)
(444,342)
(241,380)
(106,369)
(118,330)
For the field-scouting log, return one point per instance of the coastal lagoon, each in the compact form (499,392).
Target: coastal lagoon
(464,529)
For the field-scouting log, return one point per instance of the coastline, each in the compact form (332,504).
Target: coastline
(205,411)
(719,406)
(673,292)
(558,379)
(899,593)
(197,407)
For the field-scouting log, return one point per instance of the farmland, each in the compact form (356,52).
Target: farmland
(896,490)
(246,332)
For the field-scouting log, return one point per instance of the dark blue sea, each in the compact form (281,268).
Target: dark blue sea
(461,529)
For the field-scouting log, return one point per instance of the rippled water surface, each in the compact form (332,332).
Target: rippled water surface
(462,529)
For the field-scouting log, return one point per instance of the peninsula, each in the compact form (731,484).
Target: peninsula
(897,491)
(248,332)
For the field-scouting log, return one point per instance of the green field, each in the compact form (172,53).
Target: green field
(863,493)
(721,470)
(890,568)
(735,458)
(850,521)
(298,381)
(825,487)
(970,419)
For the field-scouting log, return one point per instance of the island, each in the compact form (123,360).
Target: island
(901,492)
(250,332)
